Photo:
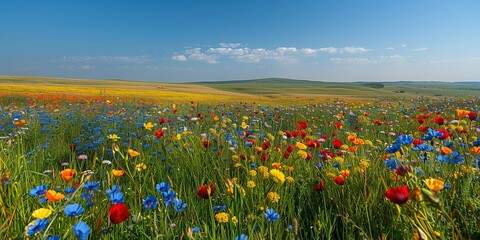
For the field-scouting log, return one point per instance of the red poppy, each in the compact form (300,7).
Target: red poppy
(472,116)
(340,180)
(398,195)
(288,134)
(377,122)
(159,133)
(205,192)
(421,119)
(290,148)
(312,144)
(337,143)
(286,154)
(338,125)
(309,156)
(303,134)
(446,134)
(118,213)
(206,144)
(302,125)
(295,133)
(265,145)
(417,142)
(162,120)
(423,128)
(439,120)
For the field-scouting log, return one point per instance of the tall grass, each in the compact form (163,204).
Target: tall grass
(223,145)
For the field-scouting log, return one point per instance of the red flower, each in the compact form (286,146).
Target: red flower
(312,144)
(338,125)
(309,156)
(446,134)
(118,213)
(398,195)
(421,119)
(417,142)
(302,125)
(159,133)
(303,134)
(337,143)
(440,120)
(265,145)
(340,180)
(295,133)
(423,128)
(288,134)
(290,148)
(243,156)
(286,154)
(205,192)
(162,120)
(472,116)
(377,122)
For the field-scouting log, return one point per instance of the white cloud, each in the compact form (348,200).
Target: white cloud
(196,54)
(353,50)
(238,53)
(390,48)
(180,58)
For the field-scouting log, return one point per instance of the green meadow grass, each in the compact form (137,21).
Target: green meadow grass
(33,155)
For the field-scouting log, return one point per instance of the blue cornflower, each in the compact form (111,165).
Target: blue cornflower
(319,165)
(115,189)
(395,147)
(271,215)
(168,197)
(219,208)
(81,230)
(150,202)
(37,226)
(392,163)
(54,237)
(195,229)
(448,144)
(87,196)
(73,210)
(405,139)
(38,190)
(180,206)
(91,186)
(163,187)
(254,165)
(447,186)
(69,190)
(454,158)
(336,165)
(242,237)
(423,147)
(116,197)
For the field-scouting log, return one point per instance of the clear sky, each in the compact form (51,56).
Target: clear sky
(205,40)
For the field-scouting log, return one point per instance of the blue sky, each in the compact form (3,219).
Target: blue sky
(222,40)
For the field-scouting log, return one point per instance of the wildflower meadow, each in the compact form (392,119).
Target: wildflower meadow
(122,168)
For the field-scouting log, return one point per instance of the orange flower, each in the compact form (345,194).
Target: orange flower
(133,153)
(67,174)
(475,150)
(54,196)
(276,165)
(345,173)
(462,113)
(118,173)
(19,123)
(445,150)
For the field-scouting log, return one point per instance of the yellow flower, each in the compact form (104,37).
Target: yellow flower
(234,220)
(252,173)
(290,179)
(434,184)
(42,213)
(277,176)
(222,217)
(237,165)
(133,153)
(212,131)
(148,126)
(262,169)
(244,125)
(251,184)
(301,146)
(141,166)
(118,173)
(302,154)
(368,142)
(273,197)
(235,158)
(338,159)
(113,137)
(462,113)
